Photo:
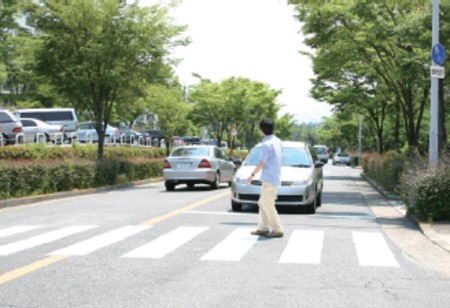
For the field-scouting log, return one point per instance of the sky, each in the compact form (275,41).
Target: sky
(255,39)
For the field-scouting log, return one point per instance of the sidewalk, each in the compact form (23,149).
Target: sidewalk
(438,232)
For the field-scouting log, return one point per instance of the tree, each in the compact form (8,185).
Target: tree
(172,110)
(103,54)
(371,48)
(235,102)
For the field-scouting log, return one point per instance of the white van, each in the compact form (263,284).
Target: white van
(321,152)
(60,116)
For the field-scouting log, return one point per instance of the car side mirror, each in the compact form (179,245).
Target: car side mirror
(318,164)
(236,160)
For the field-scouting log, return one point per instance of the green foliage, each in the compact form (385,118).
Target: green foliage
(102,55)
(385,170)
(25,178)
(426,190)
(87,152)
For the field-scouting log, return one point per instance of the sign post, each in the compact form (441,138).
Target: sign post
(437,55)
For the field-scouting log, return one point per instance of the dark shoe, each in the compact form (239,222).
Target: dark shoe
(274,234)
(259,232)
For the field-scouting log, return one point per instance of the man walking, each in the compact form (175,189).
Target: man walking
(269,223)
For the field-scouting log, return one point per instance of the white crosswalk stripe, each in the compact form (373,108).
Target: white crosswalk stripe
(41,239)
(303,246)
(100,241)
(166,243)
(233,247)
(16,230)
(372,250)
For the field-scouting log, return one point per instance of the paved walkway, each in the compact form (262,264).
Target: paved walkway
(432,249)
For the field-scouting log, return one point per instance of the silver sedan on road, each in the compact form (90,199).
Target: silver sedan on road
(197,164)
(301,179)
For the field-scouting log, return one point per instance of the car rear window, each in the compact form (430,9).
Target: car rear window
(192,152)
(86,126)
(292,156)
(4,117)
(48,115)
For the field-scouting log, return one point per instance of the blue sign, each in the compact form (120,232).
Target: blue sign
(438,54)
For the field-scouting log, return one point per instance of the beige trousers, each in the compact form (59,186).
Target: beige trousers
(268,219)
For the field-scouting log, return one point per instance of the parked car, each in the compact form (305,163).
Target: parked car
(156,136)
(301,179)
(341,158)
(38,131)
(10,127)
(322,153)
(197,164)
(87,133)
(59,116)
(129,136)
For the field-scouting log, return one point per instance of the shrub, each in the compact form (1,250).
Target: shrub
(426,189)
(385,169)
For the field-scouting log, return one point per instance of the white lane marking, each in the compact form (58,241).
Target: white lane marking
(219,213)
(41,239)
(99,241)
(166,243)
(358,216)
(372,250)
(233,247)
(16,230)
(304,246)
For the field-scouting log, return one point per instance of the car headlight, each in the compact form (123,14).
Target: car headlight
(239,180)
(302,182)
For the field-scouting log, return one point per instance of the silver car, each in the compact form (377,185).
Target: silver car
(88,134)
(197,164)
(341,158)
(10,128)
(301,179)
(38,131)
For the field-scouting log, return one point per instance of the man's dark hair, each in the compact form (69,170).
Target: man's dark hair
(266,125)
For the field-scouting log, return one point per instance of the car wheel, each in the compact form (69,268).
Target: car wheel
(311,208)
(319,199)
(190,185)
(235,206)
(169,186)
(215,184)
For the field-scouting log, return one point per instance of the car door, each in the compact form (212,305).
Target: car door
(29,129)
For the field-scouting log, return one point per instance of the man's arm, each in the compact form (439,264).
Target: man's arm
(255,172)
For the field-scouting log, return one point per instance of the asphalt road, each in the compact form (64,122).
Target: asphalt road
(145,247)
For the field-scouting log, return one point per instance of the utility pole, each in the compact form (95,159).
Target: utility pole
(437,71)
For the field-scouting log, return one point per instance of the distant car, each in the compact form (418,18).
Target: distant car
(87,133)
(59,116)
(197,164)
(301,179)
(321,152)
(38,131)
(341,158)
(129,136)
(156,136)
(10,127)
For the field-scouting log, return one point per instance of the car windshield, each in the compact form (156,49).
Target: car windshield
(192,152)
(320,150)
(292,156)
(342,155)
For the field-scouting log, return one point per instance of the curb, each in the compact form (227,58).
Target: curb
(425,228)
(66,194)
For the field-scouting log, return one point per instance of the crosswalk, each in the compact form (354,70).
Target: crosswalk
(299,246)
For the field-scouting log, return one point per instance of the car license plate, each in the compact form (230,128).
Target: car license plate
(184,166)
